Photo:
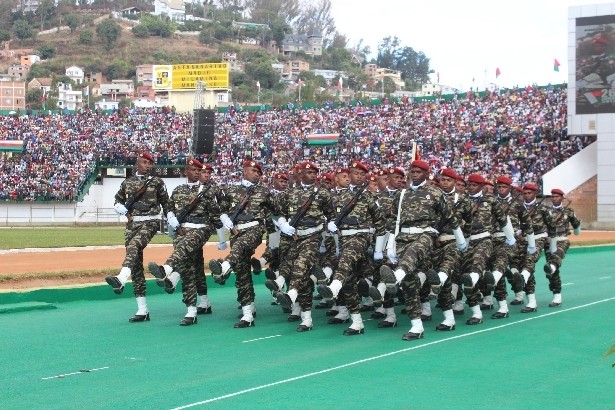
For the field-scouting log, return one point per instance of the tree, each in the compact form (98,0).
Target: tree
(45,11)
(109,32)
(22,30)
(264,73)
(279,30)
(316,18)
(5,35)
(46,51)
(263,11)
(72,21)
(86,37)
(37,71)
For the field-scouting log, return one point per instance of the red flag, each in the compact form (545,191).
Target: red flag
(299,82)
(340,84)
(556,65)
(497,72)
(44,97)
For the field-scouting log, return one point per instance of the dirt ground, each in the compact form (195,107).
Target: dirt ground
(21,263)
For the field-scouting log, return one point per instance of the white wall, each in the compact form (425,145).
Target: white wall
(573,172)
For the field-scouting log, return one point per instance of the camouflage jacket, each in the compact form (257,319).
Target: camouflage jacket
(424,208)
(563,217)
(259,203)
(461,206)
(385,200)
(540,218)
(321,209)
(149,203)
(519,218)
(366,214)
(205,212)
(486,211)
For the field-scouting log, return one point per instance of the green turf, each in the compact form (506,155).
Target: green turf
(547,360)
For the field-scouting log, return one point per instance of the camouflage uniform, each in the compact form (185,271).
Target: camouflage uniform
(195,230)
(563,217)
(143,223)
(385,199)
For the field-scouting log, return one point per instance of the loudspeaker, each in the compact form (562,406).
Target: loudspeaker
(203,127)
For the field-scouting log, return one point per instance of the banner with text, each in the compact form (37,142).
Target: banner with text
(185,76)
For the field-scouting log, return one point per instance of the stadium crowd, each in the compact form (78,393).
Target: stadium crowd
(519,132)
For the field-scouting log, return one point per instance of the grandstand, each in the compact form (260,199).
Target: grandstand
(68,158)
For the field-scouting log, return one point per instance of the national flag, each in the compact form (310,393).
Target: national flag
(556,65)
(43,97)
(497,72)
(11,145)
(340,84)
(323,139)
(299,82)
(258,85)
(86,91)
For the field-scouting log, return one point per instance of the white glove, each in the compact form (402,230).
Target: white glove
(286,228)
(511,241)
(332,227)
(222,246)
(226,221)
(120,209)
(462,246)
(577,230)
(531,244)
(322,249)
(391,255)
(531,250)
(553,245)
(378,256)
(172,220)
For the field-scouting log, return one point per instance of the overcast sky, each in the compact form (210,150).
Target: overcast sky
(469,39)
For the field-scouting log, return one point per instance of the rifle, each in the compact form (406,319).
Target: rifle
(349,206)
(305,206)
(241,206)
(136,196)
(186,210)
(563,211)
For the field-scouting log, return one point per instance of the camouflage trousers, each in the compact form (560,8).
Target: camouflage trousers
(521,260)
(187,247)
(329,256)
(272,253)
(353,251)
(446,258)
(199,270)
(137,236)
(412,256)
(300,258)
(555,282)
(499,260)
(285,266)
(475,260)
(243,246)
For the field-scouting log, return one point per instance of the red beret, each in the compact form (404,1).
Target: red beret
(461,179)
(503,179)
(488,182)
(328,177)
(194,162)
(396,170)
(530,186)
(279,175)
(518,189)
(359,165)
(420,164)
(308,165)
(381,172)
(449,172)
(208,167)
(341,171)
(477,179)
(557,191)
(372,177)
(147,156)
(253,164)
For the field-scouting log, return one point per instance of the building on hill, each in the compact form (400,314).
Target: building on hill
(118,89)
(292,68)
(234,64)
(173,9)
(43,83)
(68,99)
(18,71)
(75,73)
(93,78)
(12,95)
(378,73)
(107,105)
(293,43)
(329,75)
(144,74)
(28,60)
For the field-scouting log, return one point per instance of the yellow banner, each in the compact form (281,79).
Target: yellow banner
(185,76)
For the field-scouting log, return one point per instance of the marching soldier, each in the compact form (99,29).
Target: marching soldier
(563,218)
(140,198)
(198,212)
(249,204)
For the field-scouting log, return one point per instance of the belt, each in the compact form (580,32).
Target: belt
(444,238)
(191,225)
(348,232)
(480,235)
(541,235)
(499,235)
(414,230)
(241,227)
(308,231)
(561,238)
(146,218)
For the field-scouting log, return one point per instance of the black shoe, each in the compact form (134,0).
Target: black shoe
(474,321)
(256,266)
(156,270)
(378,315)
(332,312)
(388,278)
(363,287)
(517,282)
(426,318)
(337,321)
(367,308)
(216,272)
(375,295)
(317,297)
(352,332)
(188,321)
(489,280)
(468,286)
(318,274)
(529,310)
(242,323)
(412,336)
(500,315)
(293,318)
(516,302)
(304,328)
(324,291)
(166,284)
(445,328)
(459,312)
(324,305)
(553,304)
(486,307)
(203,310)
(269,274)
(386,324)
(272,286)
(285,309)
(115,283)
(283,299)
(434,280)
(139,318)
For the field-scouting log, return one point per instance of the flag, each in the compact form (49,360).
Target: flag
(258,85)
(299,82)
(340,84)
(11,145)
(43,99)
(497,72)
(323,139)
(438,74)
(556,65)
(86,91)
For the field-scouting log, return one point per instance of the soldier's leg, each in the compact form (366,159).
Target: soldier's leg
(518,254)
(353,248)
(239,259)
(529,264)
(204,305)
(554,263)
(480,253)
